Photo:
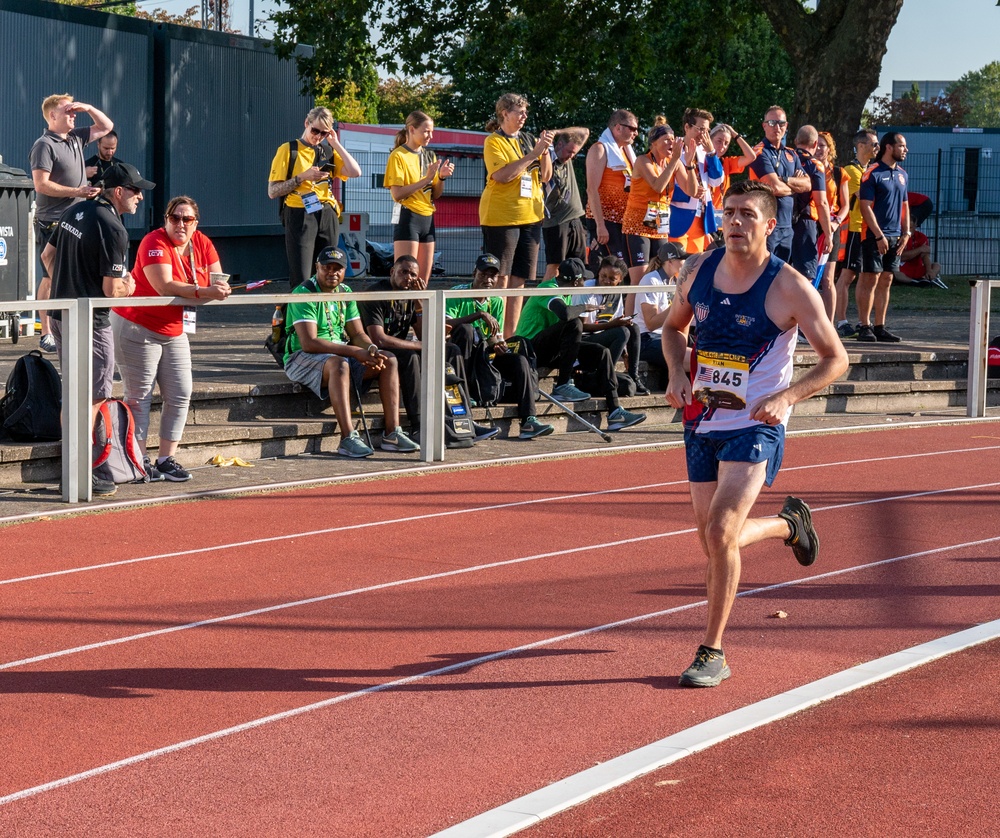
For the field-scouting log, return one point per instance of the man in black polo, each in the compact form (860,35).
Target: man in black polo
(98,164)
(886,214)
(388,324)
(87,256)
(59,176)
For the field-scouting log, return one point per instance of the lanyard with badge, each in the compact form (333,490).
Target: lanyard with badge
(189,318)
(524,145)
(310,200)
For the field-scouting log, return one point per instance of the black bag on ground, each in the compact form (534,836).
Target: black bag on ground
(29,410)
(117,456)
(486,385)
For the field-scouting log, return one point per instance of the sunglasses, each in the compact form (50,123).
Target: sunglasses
(633,128)
(182,219)
(318,132)
(776,123)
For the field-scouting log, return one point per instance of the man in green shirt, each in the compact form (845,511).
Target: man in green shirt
(555,330)
(474,320)
(329,352)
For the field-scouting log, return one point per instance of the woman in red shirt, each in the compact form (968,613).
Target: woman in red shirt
(151,342)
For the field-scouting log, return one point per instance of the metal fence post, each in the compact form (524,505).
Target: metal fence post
(979,338)
(78,352)
(432,379)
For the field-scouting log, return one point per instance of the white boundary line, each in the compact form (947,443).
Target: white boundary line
(457,667)
(489,508)
(396,472)
(550,800)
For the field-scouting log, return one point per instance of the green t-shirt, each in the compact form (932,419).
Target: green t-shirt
(329,315)
(455,309)
(535,315)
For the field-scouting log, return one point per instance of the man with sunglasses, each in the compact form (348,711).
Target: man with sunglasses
(777,167)
(302,175)
(87,256)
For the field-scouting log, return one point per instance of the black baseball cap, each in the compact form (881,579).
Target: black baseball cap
(332,256)
(670,250)
(571,270)
(488,262)
(125,174)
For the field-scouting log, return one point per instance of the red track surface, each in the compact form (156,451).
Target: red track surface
(421,755)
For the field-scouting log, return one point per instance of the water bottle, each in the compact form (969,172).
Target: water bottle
(276,321)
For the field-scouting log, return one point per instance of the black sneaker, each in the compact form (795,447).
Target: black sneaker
(101,488)
(153,474)
(883,335)
(708,670)
(846,330)
(866,334)
(483,432)
(804,541)
(172,470)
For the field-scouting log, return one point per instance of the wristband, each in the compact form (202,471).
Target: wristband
(196,294)
(372,349)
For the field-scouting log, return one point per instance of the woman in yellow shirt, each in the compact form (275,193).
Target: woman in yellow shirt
(512,205)
(415,177)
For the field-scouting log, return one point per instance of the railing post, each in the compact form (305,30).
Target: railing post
(979,338)
(432,379)
(78,352)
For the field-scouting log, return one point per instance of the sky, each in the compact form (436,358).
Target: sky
(933,40)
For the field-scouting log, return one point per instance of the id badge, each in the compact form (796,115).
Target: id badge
(397,210)
(526,185)
(628,182)
(721,381)
(311,202)
(663,221)
(189,320)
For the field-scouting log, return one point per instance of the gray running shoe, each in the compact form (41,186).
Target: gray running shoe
(620,418)
(173,470)
(531,428)
(398,441)
(352,446)
(569,393)
(709,669)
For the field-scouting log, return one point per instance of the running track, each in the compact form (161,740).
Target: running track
(392,657)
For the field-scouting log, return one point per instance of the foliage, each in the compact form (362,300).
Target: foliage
(979,91)
(348,107)
(398,98)
(945,111)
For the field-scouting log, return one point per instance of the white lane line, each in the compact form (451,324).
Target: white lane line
(535,807)
(396,583)
(447,670)
(468,511)
(76,509)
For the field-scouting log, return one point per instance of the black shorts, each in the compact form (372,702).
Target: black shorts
(873,262)
(638,249)
(412,227)
(565,241)
(516,247)
(852,258)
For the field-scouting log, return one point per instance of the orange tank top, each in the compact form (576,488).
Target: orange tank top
(640,197)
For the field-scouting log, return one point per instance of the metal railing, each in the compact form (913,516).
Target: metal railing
(979,340)
(78,344)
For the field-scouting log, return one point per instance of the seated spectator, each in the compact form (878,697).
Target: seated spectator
(555,329)
(485,317)
(329,352)
(651,306)
(921,208)
(608,325)
(916,268)
(388,324)
(151,344)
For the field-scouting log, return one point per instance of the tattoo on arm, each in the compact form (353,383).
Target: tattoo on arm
(280,188)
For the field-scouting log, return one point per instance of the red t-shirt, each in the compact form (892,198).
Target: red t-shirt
(914,268)
(157,249)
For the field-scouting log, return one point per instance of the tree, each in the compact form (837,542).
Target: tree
(837,53)
(398,98)
(946,111)
(979,91)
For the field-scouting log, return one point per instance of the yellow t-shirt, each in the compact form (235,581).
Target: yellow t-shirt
(405,167)
(501,204)
(304,160)
(854,171)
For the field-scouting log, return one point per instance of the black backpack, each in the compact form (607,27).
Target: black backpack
(485,383)
(29,411)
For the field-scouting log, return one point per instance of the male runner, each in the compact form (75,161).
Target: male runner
(748,306)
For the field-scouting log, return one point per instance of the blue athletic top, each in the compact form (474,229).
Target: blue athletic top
(885,187)
(740,356)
